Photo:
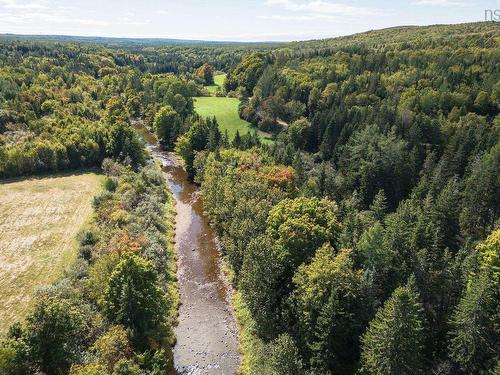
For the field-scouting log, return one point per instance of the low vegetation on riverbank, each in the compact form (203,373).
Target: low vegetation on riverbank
(39,219)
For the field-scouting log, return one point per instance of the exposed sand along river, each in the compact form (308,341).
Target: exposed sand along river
(207,336)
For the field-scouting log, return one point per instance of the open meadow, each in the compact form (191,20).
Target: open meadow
(218,83)
(226,112)
(39,220)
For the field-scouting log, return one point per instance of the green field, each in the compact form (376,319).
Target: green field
(226,112)
(39,219)
(218,82)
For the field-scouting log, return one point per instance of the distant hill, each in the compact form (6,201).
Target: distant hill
(416,37)
(396,34)
(121,41)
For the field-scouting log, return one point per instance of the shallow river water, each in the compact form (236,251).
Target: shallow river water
(207,339)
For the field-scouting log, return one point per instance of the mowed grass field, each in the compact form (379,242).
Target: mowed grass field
(218,82)
(226,112)
(39,220)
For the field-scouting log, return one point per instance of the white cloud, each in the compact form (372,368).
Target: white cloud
(42,12)
(21,13)
(316,8)
(309,17)
(24,5)
(443,3)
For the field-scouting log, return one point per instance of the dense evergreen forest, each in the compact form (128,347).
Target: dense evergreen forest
(364,240)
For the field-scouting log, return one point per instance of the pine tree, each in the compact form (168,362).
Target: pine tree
(329,330)
(322,179)
(225,139)
(474,340)
(214,136)
(379,205)
(237,140)
(326,146)
(393,342)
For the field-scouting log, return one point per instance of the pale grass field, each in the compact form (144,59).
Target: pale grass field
(39,220)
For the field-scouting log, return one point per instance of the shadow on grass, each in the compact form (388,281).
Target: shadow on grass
(43,175)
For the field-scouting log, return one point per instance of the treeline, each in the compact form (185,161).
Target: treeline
(373,245)
(186,59)
(112,313)
(68,106)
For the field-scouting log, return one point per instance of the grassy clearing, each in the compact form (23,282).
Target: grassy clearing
(39,219)
(218,83)
(226,112)
(219,79)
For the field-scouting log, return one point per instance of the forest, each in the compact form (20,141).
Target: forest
(364,239)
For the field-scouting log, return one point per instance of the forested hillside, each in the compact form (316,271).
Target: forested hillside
(364,239)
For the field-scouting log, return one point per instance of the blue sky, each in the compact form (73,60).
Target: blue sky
(245,20)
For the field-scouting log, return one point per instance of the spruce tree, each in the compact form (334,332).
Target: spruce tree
(298,165)
(237,140)
(379,205)
(394,340)
(474,340)
(474,337)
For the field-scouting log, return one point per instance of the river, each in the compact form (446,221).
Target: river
(207,334)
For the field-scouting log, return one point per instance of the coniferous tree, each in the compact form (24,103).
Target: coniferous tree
(474,337)
(379,205)
(474,340)
(237,140)
(298,165)
(394,341)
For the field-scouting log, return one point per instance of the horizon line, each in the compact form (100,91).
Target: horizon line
(220,41)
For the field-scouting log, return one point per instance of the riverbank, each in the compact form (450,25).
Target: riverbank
(172,286)
(252,348)
(206,334)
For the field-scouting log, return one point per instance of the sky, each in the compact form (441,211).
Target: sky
(236,20)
